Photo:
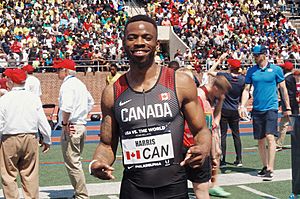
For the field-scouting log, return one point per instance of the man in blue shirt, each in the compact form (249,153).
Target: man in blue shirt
(264,77)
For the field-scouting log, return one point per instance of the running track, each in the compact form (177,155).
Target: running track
(93,131)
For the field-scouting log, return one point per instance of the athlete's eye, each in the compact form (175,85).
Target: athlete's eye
(148,37)
(131,37)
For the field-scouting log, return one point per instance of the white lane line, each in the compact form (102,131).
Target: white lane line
(257,192)
(250,148)
(113,197)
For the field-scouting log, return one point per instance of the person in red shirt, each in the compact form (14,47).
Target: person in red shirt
(200,176)
(16,47)
(3,84)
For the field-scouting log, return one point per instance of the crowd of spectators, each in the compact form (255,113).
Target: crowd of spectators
(211,28)
(46,31)
(42,32)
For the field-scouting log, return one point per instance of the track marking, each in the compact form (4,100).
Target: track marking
(113,197)
(257,192)
(250,148)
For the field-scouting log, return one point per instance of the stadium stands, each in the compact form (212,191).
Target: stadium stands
(90,32)
(44,32)
(213,27)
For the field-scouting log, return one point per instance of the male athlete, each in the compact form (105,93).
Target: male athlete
(146,109)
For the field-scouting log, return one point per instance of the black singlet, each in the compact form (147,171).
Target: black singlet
(151,131)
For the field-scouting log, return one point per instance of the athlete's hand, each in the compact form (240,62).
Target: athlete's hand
(102,171)
(195,156)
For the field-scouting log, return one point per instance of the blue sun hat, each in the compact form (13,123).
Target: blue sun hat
(259,49)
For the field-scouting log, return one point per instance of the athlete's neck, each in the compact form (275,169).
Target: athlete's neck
(143,79)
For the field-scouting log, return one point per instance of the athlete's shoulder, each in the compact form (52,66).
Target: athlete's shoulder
(182,76)
(185,86)
(120,86)
(184,82)
(107,98)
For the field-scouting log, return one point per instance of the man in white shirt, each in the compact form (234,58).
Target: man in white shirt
(32,83)
(75,102)
(21,115)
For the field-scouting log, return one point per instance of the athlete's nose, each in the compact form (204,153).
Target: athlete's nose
(139,41)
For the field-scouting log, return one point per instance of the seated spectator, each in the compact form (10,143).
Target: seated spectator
(114,74)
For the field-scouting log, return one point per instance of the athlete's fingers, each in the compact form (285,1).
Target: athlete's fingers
(197,150)
(196,161)
(187,157)
(102,171)
(199,154)
(100,165)
(192,159)
(103,175)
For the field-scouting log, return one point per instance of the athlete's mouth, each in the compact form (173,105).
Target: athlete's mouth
(140,52)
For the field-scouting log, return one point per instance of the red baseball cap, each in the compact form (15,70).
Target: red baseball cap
(66,63)
(234,63)
(28,68)
(287,65)
(18,76)
(7,72)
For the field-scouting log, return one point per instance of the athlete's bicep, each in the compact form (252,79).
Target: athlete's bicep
(190,105)
(109,128)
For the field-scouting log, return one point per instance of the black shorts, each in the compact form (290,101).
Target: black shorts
(264,122)
(130,190)
(201,174)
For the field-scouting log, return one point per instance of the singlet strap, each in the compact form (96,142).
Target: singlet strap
(205,90)
(120,86)
(206,93)
(167,78)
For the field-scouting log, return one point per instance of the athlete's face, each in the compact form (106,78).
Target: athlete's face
(140,43)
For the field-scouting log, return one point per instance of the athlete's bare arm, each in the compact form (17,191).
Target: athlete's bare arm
(212,71)
(105,153)
(193,112)
(218,109)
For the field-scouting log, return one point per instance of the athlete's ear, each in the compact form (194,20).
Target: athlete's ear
(157,43)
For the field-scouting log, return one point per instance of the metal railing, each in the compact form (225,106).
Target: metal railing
(123,65)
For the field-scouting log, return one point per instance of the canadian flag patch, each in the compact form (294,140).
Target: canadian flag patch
(165,96)
(133,155)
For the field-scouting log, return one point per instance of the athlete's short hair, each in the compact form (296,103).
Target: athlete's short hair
(144,18)
(222,83)
(174,64)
